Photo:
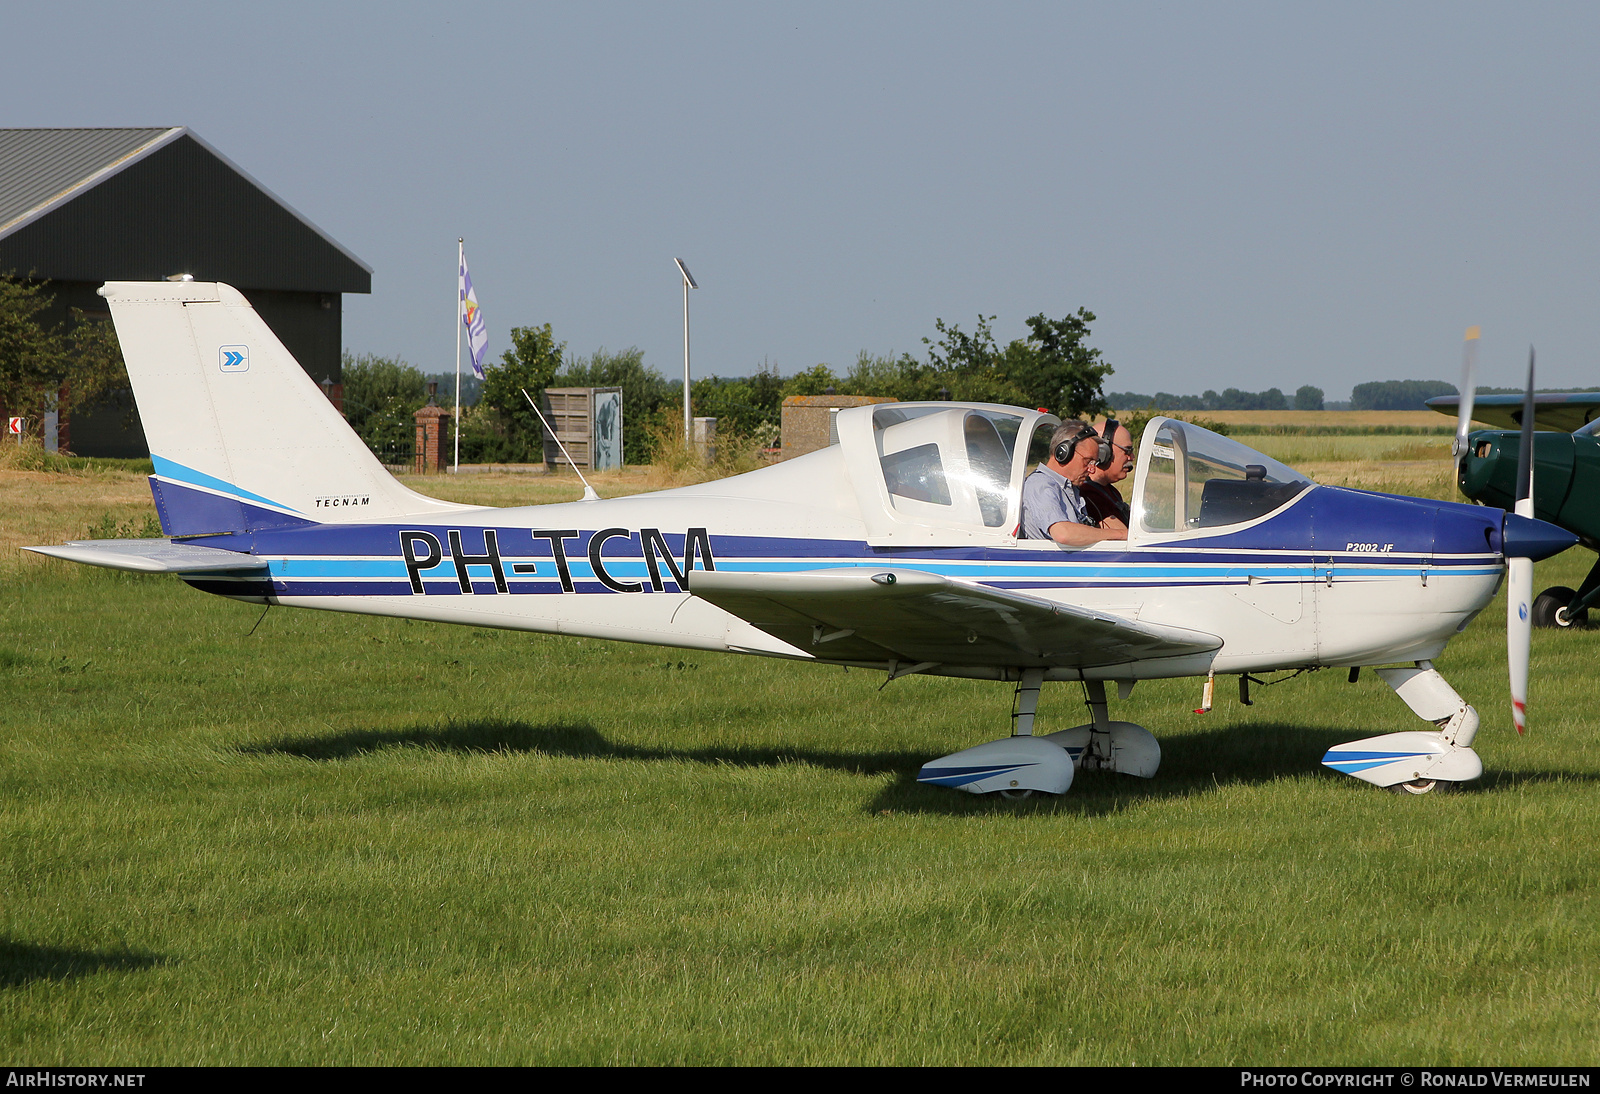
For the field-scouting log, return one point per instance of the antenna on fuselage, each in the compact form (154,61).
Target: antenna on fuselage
(588,491)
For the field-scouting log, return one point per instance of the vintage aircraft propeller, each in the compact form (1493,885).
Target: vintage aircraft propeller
(1469,391)
(1522,542)
(1519,581)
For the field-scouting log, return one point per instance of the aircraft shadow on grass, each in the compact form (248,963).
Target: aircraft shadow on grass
(23,962)
(1191,763)
(579,741)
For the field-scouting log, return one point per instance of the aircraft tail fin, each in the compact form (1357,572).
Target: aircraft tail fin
(241,438)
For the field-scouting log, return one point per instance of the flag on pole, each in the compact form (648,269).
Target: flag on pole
(472,319)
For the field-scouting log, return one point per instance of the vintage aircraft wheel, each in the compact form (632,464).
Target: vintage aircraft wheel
(1423,786)
(1550,609)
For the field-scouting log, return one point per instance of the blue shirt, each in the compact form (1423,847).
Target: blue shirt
(1047,498)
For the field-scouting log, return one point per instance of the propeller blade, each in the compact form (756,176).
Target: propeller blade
(1524,504)
(1519,636)
(1519,581)
(1469,392)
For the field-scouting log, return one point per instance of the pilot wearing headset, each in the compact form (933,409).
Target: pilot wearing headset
(1052,506)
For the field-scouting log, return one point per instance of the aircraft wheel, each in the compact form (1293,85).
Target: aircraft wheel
(1013,795)
(1550,609)
(1423,786)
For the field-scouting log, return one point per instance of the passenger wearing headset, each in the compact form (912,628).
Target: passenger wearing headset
(1052,507)
(1100,494)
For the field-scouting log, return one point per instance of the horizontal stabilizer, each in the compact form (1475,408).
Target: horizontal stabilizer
(912,615)
(152,556)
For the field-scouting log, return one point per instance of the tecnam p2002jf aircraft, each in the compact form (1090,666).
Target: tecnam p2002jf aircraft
(894,549)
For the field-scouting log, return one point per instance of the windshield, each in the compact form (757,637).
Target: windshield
(1194,478)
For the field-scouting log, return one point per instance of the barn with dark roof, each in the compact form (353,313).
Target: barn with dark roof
(79,207)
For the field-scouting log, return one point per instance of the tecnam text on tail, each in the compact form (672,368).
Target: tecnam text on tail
(894,550)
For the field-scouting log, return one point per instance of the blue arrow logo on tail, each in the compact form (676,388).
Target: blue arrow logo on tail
(235,358)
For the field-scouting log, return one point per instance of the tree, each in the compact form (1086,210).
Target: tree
(39,359)
(958,351)
(744,406)
(644,391)
(32,357)
(530,365)
(1234,399)
(815,380)
(1308,398)
(971,367)
(96,373)
(381,398)
(1055,367)
(371,382)
(1397,394)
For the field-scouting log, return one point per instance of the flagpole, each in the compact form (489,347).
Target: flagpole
(461,300)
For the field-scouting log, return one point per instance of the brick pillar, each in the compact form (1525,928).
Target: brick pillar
(335,394)
(431,435)
(64,419)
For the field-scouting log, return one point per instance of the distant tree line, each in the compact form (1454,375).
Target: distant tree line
(1378,395)
(1305,398)
(1398,394)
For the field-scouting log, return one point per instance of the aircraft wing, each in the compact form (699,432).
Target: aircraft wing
(152,556)
(1553,411)
(862,614)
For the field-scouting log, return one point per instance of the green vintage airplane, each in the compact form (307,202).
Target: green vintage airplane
(1566,475)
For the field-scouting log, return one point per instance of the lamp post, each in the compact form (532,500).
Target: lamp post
(688,283)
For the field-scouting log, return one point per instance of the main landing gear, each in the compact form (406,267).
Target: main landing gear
(1417,762)
(1023,764)
(1559,606)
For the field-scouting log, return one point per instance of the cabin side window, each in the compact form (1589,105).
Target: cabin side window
(917,474)
(948,464)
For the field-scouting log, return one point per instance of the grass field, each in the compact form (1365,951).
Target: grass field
(364,841)
(1244,420)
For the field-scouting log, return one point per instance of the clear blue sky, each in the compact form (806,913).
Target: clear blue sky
(1247,195)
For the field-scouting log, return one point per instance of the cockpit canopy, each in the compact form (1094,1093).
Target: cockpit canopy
(1190,478)
(951,474)
(940,473)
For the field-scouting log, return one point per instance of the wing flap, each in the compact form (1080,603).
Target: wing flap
(913,615)
(152,556)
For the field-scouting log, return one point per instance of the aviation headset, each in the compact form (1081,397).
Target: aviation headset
(1105,452)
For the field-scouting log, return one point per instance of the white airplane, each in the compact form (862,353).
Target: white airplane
(893,550)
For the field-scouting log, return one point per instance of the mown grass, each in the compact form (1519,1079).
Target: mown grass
(352,840)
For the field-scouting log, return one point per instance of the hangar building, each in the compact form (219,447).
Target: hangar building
(79,207)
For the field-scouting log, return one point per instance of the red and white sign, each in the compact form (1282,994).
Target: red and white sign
(15,427)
